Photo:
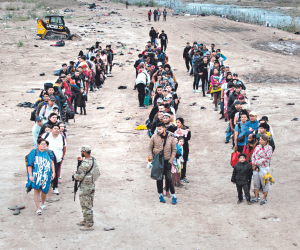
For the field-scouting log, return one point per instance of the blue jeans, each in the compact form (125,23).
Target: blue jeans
(222,108)
(228,133)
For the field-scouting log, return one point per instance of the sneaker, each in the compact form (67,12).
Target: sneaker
(226,141)
(244,197)
(109,72)
(161,199)
(254,200)
(258,197)
(263,202)
(222,117)
(211,98)
(187,71)
(168,194)
(249,202)
(216,109)
(181,186)
(239,201)
(185,179)
(142,107)
(174,200)
(197,91)
(55,191)
(194,90)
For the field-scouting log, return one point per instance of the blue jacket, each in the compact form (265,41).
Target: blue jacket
(249,124)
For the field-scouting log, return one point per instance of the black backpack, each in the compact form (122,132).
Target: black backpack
(70,111)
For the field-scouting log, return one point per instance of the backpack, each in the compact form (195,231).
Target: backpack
(70,111)
(75,88)
(87,56)
(60,43)
(33,115)
(241,138)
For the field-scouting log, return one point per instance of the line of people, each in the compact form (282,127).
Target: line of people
(56,105)
(252,139)
(168,132)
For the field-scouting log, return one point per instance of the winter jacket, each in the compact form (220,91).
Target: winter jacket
(262,155)
(164,13)
(241,173)
(152,34)
(230,101)
(156,143)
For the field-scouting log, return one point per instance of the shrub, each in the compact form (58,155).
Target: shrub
(20,44)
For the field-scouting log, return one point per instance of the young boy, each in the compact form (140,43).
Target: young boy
(240,176)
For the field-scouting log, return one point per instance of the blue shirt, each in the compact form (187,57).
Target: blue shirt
(41,171)
(241,129)
(253,125)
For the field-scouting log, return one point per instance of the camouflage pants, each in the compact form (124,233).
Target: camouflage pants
(86,198)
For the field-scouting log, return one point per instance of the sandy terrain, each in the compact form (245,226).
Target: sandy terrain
(206,216)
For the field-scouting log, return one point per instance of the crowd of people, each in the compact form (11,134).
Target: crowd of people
(156,15)
(57,104)
(252,139)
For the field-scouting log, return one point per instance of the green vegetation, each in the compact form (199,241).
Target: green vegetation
(28,1)
(20,44)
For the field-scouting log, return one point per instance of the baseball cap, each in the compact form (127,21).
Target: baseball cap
(167,114)
(160,100)
(253,113)
(265,118)
(166,98)
(169,96)
(240,97)
(236,102)
(39,118)
(159,64)
(85,148)
(235,74)
(165,89)
(52,98)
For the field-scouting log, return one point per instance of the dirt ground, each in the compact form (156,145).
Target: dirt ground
(206,216)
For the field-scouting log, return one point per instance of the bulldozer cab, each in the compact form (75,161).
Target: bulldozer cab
(58,20)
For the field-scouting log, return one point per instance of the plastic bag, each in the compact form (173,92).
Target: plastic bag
(157,171)
(234,158)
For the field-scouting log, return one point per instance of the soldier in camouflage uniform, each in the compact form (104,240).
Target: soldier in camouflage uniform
(87,173)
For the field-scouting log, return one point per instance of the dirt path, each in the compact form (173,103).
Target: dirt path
(207,216)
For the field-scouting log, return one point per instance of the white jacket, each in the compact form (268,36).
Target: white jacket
(143,77)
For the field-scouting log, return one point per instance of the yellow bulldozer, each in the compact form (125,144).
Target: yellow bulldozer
(54,28)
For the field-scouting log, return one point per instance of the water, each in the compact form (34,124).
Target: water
(273,18)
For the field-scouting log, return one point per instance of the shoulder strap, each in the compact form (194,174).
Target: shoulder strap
(35,153)
(165,140)
(45,109)
(48,153)
(47,135)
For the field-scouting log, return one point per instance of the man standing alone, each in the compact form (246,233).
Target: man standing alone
(165,15)
(164,141)
(163,41)
(186,56)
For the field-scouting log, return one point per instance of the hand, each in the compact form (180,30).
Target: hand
(179,132)
(235,148)
(31,178)
(233,183)
(79,158)
(201,74)
(53,176)
(250,129)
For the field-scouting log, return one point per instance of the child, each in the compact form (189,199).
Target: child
(176,166)
(240,176)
